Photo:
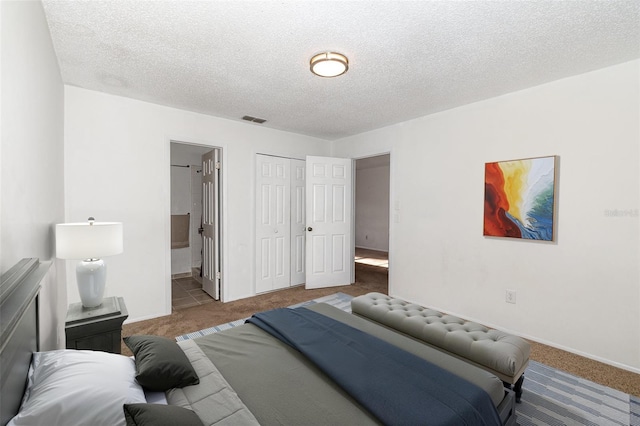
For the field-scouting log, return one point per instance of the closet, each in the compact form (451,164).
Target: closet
(280,222)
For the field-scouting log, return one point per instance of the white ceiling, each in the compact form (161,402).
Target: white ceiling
(407,58)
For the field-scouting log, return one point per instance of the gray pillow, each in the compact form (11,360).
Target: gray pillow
(160,363)
(159,415)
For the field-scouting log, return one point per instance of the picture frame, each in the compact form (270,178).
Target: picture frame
(520,198)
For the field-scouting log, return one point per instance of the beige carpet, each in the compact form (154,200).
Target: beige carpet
(368,279)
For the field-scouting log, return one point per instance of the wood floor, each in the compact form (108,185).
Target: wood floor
(372,257)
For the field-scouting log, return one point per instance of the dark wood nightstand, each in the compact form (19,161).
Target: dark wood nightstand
(98,328)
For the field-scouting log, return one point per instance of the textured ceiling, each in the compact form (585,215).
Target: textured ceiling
(407,59)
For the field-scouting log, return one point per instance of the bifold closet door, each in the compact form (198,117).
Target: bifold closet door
(298,231)
(273,223)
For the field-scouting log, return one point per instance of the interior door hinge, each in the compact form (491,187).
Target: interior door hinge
(218,165)
(218,275)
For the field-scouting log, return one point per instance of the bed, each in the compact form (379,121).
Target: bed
(244,375)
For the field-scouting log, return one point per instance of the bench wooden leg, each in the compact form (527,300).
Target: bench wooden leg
(518,388)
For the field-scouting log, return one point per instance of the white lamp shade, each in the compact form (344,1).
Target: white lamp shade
(88,241)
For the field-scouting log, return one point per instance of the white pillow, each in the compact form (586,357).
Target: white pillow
(71,387)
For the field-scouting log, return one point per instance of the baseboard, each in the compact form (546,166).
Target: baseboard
(583,354)
(147,317)
(532,338)
(181,275)
(373,249)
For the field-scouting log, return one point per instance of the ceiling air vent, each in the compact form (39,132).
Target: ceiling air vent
(254,119)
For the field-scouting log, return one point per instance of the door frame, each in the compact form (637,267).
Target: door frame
(394,213)
(167,212)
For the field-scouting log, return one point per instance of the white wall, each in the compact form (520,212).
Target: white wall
(180,205)
(372,208)
(184,199)
(580,293)
(32,147)
(120,147)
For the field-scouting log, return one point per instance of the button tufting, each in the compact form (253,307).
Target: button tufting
(449,333)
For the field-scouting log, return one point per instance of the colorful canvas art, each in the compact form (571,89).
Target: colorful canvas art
(519,198)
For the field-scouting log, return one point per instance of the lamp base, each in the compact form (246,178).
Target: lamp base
(91,275)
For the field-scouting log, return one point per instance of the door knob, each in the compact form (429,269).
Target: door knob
(309,229)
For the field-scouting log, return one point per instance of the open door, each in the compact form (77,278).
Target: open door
(211,223)
(329,254)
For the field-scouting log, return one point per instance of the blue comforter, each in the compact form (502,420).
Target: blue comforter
(397,387)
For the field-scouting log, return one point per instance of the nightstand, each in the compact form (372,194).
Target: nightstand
(98,328)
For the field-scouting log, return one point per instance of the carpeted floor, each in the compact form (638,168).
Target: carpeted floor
(551,396)
(368,279)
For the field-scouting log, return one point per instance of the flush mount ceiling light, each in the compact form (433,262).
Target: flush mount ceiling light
(329,64)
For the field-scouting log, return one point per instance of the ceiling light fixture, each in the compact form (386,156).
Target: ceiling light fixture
(329,64)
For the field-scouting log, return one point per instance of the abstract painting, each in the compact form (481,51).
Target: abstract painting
(519,198)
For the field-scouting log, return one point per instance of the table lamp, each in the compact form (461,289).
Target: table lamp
(89,241)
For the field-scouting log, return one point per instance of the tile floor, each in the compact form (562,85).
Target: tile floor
(187,292)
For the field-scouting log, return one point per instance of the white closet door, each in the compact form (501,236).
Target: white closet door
(297,221)
(273,225)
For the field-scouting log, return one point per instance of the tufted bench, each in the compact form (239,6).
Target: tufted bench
(500,353)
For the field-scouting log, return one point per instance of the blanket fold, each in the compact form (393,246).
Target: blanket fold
(395,386)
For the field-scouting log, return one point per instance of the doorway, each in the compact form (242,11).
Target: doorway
(372,206)
(188,254)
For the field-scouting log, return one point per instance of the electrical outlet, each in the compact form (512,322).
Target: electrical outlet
(510,296)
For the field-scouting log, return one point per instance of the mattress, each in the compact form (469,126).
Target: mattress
(280,386)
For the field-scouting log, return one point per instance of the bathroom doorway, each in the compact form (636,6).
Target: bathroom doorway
(189,259)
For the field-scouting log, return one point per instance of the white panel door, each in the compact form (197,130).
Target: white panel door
(211,223)
(329,256)
(196,217)
(297,221)
(273,225)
